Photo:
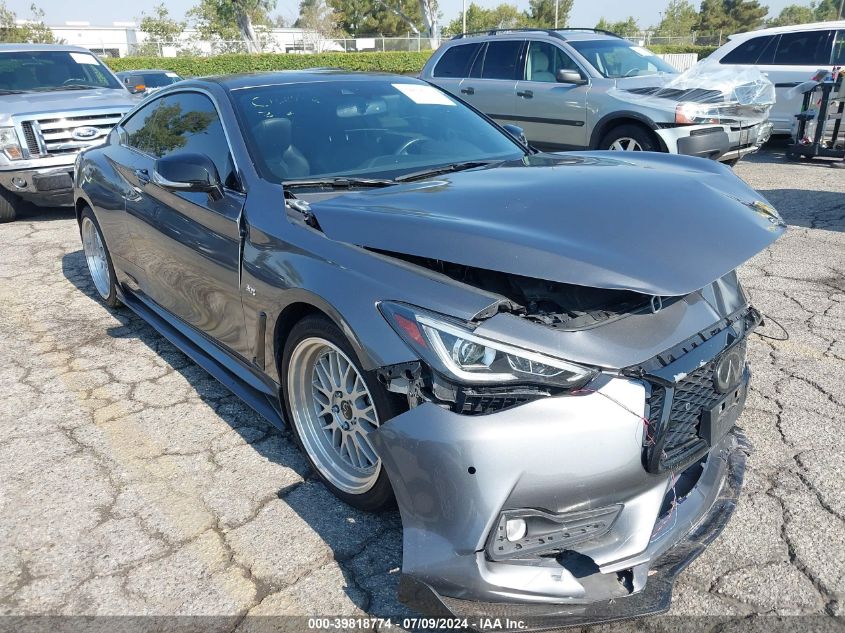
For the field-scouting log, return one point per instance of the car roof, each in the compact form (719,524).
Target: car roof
(283,77)
(572,34)
(20,48)
(793,28)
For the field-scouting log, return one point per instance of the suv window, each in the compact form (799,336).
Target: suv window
(810,48)
(182,122)
(757,50)
(544,60)
(456,60)
(839,50)
(501,60)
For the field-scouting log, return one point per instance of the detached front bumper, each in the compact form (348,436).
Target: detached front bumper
(718,142)
(47,186)
(456,476)
(747,140)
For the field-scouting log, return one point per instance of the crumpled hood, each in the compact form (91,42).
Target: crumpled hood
(64,100)
(652,223)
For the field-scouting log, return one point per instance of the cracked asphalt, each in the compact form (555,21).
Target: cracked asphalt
(132,483)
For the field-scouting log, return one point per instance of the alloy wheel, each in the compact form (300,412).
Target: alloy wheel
(95,256)
(626,144)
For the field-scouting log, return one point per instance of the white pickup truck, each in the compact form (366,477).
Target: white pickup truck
(54,101)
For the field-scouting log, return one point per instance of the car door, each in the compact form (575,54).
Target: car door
(553,114)
(491,86)
(187,243)
(454,66)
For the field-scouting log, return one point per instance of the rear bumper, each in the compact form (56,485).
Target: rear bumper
(655,597)
(49,186)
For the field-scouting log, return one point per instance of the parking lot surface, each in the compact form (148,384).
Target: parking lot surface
(132,483)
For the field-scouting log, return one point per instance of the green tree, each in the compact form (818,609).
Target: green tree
(366,17)
(793,14)
(541,13)
(160,29)
(623,27)
(678,19)
(504,16)
(731,16)
(229,20)
(33,31)
(826,10)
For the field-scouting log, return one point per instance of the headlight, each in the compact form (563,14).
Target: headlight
(694,114)
(9,143)
(455,351)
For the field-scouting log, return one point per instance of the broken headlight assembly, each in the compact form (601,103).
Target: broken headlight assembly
(453,350)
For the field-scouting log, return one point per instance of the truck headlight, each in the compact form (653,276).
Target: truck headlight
(9,143)
(455,351)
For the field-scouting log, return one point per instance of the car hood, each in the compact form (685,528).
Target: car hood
(65,100)
(657,224)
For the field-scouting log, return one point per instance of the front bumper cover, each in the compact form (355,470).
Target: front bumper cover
(654,598)
(48,186)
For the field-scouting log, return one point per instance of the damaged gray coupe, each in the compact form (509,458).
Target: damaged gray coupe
(539,358)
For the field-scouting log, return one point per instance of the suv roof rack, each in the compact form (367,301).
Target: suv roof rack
(558,33)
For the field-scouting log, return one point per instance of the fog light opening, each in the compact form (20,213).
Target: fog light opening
(19,182)
(515,529)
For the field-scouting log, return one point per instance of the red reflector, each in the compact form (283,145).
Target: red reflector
(411,329)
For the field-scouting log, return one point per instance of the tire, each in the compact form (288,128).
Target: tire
(98,259)
(629,135)
(9,205)
(731,163)
(325,416)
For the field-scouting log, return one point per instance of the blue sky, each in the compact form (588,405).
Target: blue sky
(104,12)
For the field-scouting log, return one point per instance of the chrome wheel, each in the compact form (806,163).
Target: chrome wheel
(333,412)
(95,255)
(626,144)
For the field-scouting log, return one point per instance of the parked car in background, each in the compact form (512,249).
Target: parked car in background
(147,81)
(541,357)
(789,56)
(563,87)
(54,101)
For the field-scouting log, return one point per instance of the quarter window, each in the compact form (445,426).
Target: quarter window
(182,122)
(502,60)
(810,48)
(455,61)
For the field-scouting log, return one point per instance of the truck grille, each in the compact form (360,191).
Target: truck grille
(677,439)
(59,134)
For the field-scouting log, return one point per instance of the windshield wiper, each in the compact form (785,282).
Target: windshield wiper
(445,169)
(71,87)
(338,182)
(6,91)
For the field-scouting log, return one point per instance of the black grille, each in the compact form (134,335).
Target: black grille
(675,441)
(29,137)
(469,403)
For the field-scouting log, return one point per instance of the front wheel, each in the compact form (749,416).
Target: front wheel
(629,138)
(9,204)
(98,259)
(333,405)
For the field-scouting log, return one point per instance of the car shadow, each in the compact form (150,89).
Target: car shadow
(369,565)
(32,213)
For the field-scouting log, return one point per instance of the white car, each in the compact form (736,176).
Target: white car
(789,55)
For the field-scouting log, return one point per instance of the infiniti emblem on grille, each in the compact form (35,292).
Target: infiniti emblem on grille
(85,133)
(729,370)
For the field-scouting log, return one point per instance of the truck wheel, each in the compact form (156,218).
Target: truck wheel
(332,405)
(629,138)
(9,204)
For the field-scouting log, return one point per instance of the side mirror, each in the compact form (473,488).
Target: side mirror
(135,84)
(517,132)
(183,172)
(570,77)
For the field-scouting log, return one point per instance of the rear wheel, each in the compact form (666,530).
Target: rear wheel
(629,138)
(332,405)
(9,205)
(98,259)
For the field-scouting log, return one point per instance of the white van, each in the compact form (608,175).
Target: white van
(789,55)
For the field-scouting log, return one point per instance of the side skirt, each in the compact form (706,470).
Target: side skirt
(229,371)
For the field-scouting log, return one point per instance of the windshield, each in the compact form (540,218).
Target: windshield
(620,58)
(32,71)
(158,80)
(362,128)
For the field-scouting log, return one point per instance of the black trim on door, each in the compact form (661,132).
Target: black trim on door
(536,119)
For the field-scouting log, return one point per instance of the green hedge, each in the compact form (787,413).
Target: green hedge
(668,49)
(392,62)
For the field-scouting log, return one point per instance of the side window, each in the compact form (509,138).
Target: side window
(839,50)
(455,61)
(750,51)
(502,60)
(182,122)
(544,60)
(810,48)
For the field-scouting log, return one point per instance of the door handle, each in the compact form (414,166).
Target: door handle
(528,94)
(143,176)
(469,90)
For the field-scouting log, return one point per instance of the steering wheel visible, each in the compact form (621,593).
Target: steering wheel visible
(403,149)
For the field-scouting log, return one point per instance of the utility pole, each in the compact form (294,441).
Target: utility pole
(557,2)
(841,5)
(464,16)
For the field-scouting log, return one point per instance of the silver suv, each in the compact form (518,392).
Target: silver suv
(54,101)
(565,89)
